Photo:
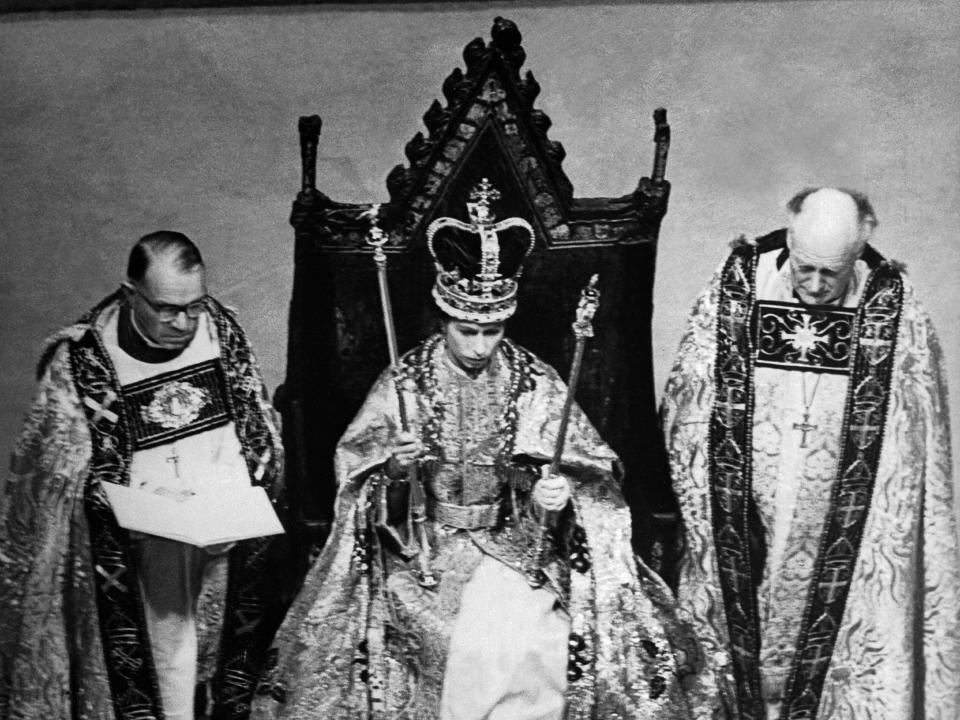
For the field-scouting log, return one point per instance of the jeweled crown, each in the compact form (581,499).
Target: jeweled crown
(479,263)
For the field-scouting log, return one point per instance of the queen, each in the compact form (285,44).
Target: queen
(437,595)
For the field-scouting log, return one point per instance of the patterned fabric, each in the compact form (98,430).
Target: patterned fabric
(72,637)
(730,475)
(792,485)
(176,405)
(876,623)
(365,640)
(804,338)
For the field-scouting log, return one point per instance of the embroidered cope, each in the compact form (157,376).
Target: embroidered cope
(87,629)
(835,425)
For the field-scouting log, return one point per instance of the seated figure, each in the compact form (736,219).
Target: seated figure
(475,610)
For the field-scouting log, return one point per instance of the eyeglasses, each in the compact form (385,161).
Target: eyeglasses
(168,312)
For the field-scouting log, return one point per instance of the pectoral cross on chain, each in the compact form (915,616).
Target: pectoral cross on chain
(805,427)
(175,459)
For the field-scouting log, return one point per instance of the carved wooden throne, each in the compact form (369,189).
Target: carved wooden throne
(487,128)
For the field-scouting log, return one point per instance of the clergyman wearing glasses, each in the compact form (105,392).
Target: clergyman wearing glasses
(154,389)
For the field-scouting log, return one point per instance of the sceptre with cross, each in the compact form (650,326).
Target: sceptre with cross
(426,576)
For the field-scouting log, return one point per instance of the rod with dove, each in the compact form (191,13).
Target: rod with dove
(582,330)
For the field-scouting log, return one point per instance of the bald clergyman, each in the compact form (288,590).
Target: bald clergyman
(807,426)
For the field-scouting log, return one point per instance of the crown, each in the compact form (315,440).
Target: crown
(479,263)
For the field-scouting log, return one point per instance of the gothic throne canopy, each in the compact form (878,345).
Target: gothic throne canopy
(487,127)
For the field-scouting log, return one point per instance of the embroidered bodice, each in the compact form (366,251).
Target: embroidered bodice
(471,431)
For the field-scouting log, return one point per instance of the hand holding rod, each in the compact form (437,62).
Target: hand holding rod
(582,329)
(418,506)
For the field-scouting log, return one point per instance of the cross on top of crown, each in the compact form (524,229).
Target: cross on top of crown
(484,193)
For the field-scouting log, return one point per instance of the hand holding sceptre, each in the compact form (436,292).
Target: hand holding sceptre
(552,491)
(418,506)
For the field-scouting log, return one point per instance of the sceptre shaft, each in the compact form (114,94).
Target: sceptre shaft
(582,329)
(418,504)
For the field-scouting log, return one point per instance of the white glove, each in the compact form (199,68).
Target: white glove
(552,492)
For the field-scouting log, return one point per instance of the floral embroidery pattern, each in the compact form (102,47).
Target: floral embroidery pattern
(175,405)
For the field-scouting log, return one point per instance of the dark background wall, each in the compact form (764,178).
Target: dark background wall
(113,124)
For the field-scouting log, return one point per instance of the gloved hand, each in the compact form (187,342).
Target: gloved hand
(551,492)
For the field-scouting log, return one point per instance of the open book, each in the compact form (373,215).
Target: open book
(204,519)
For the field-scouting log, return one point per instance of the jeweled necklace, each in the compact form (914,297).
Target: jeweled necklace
(421,367)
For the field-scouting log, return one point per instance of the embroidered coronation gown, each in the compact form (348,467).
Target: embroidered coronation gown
(364,639)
